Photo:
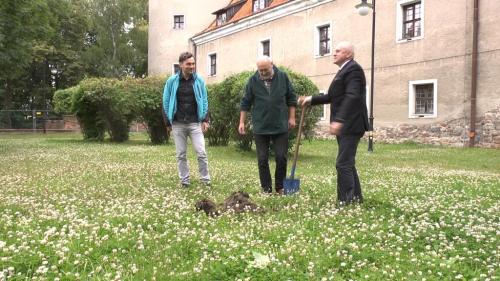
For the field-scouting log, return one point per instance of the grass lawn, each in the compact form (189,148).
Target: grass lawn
(74,210)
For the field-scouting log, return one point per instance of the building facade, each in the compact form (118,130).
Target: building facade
(424,52)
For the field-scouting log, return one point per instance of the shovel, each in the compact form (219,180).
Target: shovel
(292,185)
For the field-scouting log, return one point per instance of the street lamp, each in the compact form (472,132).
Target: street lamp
(363,10)
(53,71)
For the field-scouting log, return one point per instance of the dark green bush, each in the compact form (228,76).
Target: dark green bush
(224,106)
(91,124)
(63,100)
(105,104)
(149,93)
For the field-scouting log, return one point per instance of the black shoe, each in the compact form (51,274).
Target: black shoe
(184,185)
(267,191)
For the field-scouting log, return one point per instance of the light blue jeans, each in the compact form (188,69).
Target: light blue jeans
(181,131)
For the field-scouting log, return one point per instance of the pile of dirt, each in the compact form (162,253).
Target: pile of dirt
(237,202)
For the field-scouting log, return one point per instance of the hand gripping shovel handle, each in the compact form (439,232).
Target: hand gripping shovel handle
(297,142)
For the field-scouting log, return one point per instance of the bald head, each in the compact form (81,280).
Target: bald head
(265,67)
(344,51)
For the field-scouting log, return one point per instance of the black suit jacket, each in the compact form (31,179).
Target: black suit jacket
(347,98)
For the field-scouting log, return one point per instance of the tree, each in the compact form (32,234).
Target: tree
(117,38)
(22,23)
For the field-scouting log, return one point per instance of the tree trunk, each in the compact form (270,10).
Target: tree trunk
(7,102)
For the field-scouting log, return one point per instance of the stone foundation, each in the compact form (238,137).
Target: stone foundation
(448,133)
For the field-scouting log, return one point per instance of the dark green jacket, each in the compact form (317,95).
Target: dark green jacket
(269,109)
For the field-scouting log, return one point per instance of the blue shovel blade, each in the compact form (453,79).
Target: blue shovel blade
(291,186)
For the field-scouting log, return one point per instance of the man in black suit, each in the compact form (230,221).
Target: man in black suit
(348,119)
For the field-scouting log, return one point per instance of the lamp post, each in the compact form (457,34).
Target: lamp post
(363,10)
(53,71)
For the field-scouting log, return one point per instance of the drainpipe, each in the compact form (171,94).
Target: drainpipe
(195,50)
(473,90)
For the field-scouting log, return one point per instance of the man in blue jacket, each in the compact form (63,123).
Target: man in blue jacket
(269,94)
(185,105)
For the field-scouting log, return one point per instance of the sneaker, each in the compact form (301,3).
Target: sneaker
(184,185)
(207,184)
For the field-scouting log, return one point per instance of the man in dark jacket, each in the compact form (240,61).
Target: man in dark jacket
(270,95)
(348,119)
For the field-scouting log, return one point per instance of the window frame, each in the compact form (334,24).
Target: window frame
(400,17)
(412,98)
(266,3)
(261,47)
(179,25)
(317,39)
(209,64)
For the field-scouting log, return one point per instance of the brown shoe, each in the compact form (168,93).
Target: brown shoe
(280,191)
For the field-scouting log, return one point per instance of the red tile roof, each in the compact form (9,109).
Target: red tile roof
(245,11)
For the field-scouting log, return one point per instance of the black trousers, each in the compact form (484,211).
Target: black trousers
(280,145)
(348,186)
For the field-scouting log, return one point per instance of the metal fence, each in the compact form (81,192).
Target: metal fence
(34,120)
(41,120)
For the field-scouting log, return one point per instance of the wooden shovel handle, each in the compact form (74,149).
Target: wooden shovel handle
(297,142)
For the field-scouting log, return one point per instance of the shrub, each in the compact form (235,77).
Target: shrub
(224,106)
(104,104)
(63,100)
(149,93)
(91,124)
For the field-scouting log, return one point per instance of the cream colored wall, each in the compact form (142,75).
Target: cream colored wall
(165,43)
(442,54)
(488,91)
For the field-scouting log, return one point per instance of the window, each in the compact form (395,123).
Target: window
(225,15)
(221,19)
(212,67)
(266,47)
(175,68)
(410,20)
(231,11)
(323,40)
(260,5)
(423,98)
(179,22)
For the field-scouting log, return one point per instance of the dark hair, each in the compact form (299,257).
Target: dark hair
(184,56)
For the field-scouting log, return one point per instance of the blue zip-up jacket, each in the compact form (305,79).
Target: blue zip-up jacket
(170,97)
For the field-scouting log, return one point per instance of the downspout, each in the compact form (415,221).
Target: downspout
(195,50)
(473,90)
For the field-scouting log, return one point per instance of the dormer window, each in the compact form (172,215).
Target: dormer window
(226,14)
(221,19)
(260,5)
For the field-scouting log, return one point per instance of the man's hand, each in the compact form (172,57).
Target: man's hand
(336,128)
(204,126)
(291,122)
(241,129)
(304,100)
